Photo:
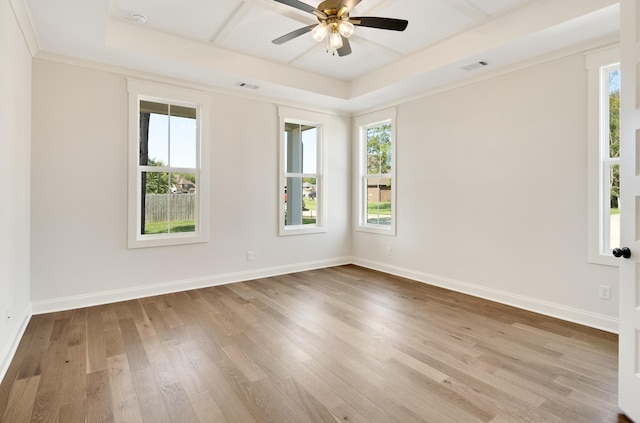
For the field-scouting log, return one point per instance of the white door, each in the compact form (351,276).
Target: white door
(629,329)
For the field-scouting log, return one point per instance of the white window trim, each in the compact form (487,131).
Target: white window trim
(595,62)
(286,114)
(360,166)
(149,91)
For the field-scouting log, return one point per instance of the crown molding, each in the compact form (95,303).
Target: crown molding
(25,23)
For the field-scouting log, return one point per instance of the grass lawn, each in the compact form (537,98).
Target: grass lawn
(161,227)
(379,208)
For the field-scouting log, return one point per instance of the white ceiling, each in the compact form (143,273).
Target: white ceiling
(225,42)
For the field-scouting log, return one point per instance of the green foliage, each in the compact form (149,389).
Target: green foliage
(162,227)
(156,182)
(379,208)
(614,144)
(379,150)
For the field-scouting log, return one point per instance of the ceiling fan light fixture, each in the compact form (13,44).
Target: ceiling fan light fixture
(335,24)
(346,28)
(335,40)
(320,31)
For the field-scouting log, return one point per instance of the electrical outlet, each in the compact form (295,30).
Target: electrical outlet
(389,251)
(604,292)
(249,255)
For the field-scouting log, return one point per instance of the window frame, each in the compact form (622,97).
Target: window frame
(361,124)
(141,90)
(598,194)
(319,121)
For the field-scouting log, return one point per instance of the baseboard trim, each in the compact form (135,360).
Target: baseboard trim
(570,314)
(582,317)
(9,352)
(106,297)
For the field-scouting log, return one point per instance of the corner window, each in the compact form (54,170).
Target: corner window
(301,196)
(604,155)
(376,172)
(167,173)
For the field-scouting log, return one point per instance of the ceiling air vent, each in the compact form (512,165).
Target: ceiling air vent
(476,65)
(137,17)
(246,85)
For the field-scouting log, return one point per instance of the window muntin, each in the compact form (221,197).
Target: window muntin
(168,182)
(301,190)
(376,168)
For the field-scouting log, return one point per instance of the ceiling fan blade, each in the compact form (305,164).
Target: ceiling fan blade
(381,23)
(346,6)
(304,7)
(346,47)
(293,34)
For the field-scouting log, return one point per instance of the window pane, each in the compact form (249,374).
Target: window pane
(155,202)
(378,201)
(614,113)
(379,150)
(309,150)
(168,208)
(301,148)
(614,207)
(154,130)
(297,211)
(183,137)
(183,203)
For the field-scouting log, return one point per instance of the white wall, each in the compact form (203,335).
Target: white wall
(492,192)
(15,127)
(79,249)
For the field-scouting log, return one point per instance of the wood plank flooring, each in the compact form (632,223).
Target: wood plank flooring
(343,344)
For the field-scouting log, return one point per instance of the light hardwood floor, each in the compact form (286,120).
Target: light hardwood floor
(344,344)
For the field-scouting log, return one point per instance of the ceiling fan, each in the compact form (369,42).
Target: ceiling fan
(335,22)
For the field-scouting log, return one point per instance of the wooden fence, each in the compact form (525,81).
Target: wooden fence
(157,206)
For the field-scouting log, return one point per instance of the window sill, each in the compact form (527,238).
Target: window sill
(605,260)
(148,241)
(299,230)
(390,231)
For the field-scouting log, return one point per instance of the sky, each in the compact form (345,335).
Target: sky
(172,140)
(614,80)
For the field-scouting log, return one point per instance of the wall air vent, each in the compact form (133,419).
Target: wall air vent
(246,85)
(476,65)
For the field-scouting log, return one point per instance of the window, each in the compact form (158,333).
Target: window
(301,195)
(376,170)
(604,154)
(167,173)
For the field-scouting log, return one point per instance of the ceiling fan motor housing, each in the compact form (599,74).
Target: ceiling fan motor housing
(330,8)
